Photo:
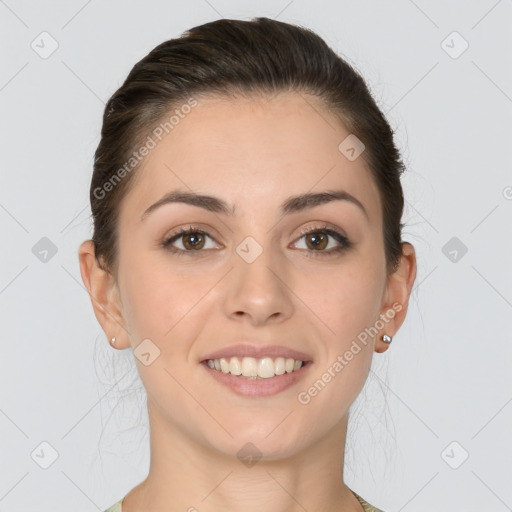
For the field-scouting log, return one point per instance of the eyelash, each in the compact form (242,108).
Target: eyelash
(344,242)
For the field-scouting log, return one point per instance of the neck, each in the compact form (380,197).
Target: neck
(185,475)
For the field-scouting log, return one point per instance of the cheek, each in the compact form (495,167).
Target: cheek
(160,304)
(150,304)
(346,300)
(348,307)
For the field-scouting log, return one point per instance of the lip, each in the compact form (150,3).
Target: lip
(258,352)
(257,387)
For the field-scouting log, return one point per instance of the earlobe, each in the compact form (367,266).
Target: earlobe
(396,296)
(104,296)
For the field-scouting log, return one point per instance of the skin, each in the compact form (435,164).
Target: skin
(254,153)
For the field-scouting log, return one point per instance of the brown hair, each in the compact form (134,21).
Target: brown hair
(230,57)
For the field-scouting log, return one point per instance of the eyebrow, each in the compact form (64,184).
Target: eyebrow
(293,204)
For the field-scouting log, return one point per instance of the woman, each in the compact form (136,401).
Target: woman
(247,246)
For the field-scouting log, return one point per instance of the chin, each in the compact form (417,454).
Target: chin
(263,441)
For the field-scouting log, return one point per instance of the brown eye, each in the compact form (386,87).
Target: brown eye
(193,240)
(316,240)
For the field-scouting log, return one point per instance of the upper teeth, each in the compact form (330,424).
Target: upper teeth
(252,367)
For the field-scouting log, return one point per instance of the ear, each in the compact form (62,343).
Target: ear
(104,295)
(396,295)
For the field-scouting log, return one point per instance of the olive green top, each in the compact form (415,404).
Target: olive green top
(366,506)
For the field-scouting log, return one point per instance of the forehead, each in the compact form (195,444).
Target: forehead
(252,150)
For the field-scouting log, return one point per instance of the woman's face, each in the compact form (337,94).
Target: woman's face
(253,278)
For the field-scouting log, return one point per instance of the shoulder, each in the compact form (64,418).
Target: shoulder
(115,508)
(367,507)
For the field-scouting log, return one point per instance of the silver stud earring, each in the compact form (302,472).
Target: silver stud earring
(114,340)
(387,339)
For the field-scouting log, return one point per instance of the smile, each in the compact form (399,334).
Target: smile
(250,367)
(252,377)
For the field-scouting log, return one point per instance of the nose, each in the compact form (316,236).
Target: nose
(258,291)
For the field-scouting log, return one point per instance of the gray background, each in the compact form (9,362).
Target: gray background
(442,392)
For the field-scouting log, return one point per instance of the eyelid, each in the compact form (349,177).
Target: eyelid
(322,226)
(333,232)
(182,231)
(342,239)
